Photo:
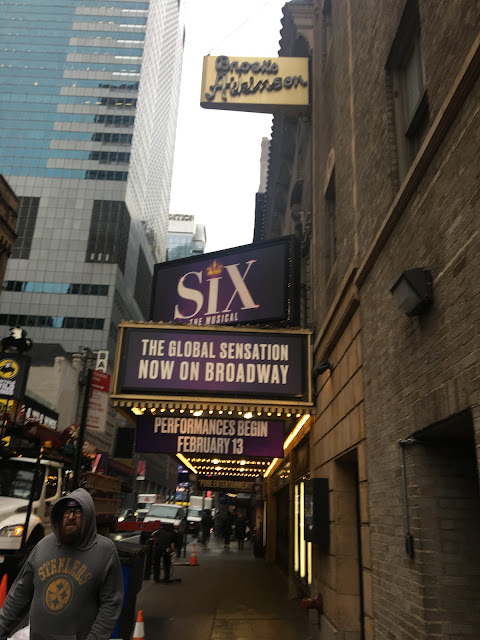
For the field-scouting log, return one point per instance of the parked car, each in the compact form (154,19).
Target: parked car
(194,517)
(129,515)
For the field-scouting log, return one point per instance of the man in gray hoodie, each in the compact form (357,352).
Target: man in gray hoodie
(71,582)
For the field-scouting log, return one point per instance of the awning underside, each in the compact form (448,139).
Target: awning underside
(270,408)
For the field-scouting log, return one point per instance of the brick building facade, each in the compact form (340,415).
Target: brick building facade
(388,169)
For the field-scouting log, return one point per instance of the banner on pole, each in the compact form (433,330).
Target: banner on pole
(98,403)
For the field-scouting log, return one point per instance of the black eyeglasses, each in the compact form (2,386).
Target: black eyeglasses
(75,512)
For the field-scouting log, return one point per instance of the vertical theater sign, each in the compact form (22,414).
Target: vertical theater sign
(221,370)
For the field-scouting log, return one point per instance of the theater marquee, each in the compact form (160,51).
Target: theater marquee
(217,435)
(221,364)
(255,84)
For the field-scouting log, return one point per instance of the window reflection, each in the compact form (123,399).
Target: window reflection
(56,287)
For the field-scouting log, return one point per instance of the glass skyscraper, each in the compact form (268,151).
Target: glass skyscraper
(88,101)
(185,237)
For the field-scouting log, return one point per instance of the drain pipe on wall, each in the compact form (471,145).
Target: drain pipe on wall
(409,542)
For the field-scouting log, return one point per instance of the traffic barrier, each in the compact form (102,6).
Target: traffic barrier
(139,631)
(193,557)
(3,590)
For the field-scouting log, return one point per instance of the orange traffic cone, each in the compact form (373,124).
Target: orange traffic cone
(193,557)
(139,631)
(3,590)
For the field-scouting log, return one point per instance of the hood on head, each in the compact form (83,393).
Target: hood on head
(89,525)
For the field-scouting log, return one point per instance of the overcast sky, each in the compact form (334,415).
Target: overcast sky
(217,156)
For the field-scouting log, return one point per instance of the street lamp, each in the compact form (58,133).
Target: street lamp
(413,291)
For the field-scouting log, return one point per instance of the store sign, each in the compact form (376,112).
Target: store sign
(250,284)
(33,411)
(98,403)
(255,84)
(155,360)
(13,375)
(209,435)
(221,484)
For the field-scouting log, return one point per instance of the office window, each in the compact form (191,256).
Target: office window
(54,322)
(27,217)
(55,287)
(109,229)
(407,78)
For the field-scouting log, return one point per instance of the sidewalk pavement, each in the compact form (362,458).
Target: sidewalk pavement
(230,595)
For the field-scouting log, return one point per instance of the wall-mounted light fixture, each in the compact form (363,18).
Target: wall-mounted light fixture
(413,291)
(322,367)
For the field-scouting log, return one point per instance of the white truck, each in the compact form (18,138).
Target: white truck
(144,502)
(199,502)
(17,475)
(16,481)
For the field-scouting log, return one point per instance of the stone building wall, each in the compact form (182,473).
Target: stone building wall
(419,376)
(424,372)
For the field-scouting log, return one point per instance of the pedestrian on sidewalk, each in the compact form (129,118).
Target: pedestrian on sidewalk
(206,524)
(180,535)
(71,582)
(240,529)
(164,548)
(227,521)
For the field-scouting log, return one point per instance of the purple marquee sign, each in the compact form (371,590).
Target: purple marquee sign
(249,284)
(157,360)
(209,435)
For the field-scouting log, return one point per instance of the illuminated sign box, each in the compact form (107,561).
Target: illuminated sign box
(220,435)
(249,284)
(174,361)
(221,484)
(13,375)
(255,84)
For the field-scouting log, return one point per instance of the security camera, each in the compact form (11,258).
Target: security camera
(322,367)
